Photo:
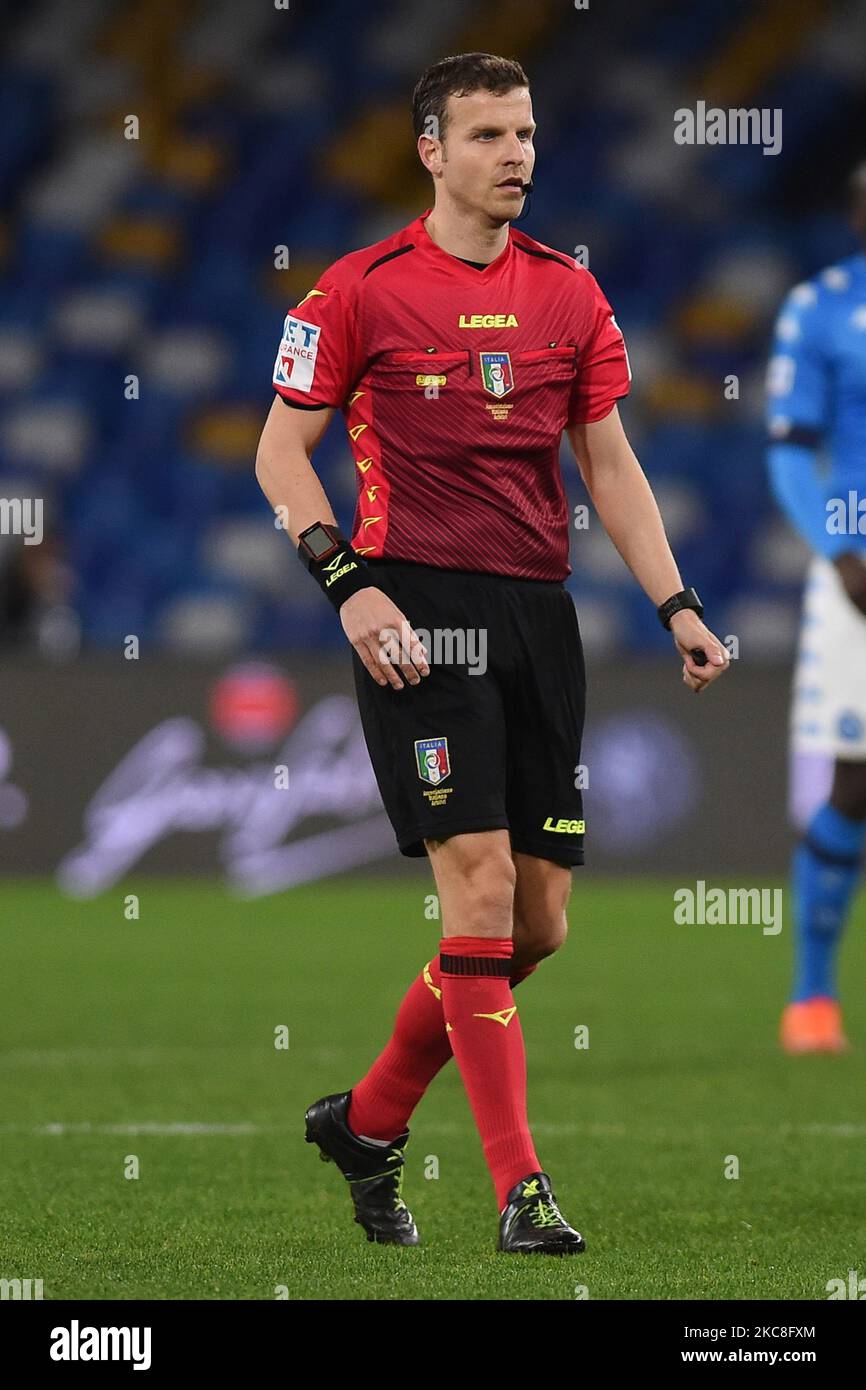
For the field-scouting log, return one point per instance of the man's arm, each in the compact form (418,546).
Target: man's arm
(283,468)
(629,514)
(801,493)
(799,409)
(291,485)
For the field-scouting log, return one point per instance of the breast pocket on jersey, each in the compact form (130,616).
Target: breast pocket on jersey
(419,404)
(553,364)
(417,374)
(530,389)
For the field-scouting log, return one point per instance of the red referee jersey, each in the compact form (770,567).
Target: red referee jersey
(455,385)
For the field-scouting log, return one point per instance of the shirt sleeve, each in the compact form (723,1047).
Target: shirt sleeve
(803,496)
(798,376)
(603,369)
(317,361)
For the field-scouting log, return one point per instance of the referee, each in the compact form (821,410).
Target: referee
(458,350)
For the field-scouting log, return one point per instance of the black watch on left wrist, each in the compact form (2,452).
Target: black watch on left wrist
(686,598)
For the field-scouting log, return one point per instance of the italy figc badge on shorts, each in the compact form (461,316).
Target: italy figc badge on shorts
(496,374)
(431,756)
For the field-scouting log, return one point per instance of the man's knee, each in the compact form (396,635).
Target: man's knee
(541,899)
(489,897)
(849,789)
(476,879)
(539,934)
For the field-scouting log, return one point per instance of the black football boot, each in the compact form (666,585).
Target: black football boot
(532,1222)
(374,1172)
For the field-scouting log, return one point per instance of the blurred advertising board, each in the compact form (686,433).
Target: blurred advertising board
(257,773)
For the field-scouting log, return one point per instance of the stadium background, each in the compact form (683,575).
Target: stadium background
(263,128)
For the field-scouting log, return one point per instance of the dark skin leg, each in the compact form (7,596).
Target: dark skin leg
(849,781)
(848,796)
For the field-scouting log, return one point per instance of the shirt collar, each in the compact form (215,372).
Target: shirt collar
(423,239)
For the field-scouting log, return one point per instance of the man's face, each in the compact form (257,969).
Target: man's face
(488,141)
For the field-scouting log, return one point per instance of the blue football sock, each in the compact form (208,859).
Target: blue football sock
(826,869)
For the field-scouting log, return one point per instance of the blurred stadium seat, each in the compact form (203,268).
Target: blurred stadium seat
(153,258)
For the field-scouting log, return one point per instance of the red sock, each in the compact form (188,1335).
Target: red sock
(419,1047)
(487,1041)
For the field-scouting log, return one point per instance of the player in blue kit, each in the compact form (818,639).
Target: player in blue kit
(817,459)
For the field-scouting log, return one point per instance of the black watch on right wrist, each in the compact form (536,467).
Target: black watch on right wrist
(338,570)
(319,542)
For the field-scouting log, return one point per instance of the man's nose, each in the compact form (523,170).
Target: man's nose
(517,154)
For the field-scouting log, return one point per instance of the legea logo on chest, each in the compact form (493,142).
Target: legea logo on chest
(487,321)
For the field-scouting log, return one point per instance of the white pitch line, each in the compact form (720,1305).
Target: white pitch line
(181,1127)
(196,1128)
(109,1056)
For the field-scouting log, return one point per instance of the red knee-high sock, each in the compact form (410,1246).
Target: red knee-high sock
(487,1041)
(419,1047)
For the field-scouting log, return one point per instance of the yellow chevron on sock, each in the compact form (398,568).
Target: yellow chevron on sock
(428,980)
(503,1016)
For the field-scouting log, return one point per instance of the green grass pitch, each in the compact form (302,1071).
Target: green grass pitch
(120,1038)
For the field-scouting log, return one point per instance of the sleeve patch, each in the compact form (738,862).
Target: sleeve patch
(295,365)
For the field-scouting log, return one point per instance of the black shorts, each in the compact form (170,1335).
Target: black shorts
(471,748)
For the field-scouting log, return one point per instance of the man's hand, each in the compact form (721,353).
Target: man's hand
(690,634)
(852,571)
(382,635)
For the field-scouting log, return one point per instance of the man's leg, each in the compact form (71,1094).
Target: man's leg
(827,713)
(383,1102)
(827,866)
(477,881)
